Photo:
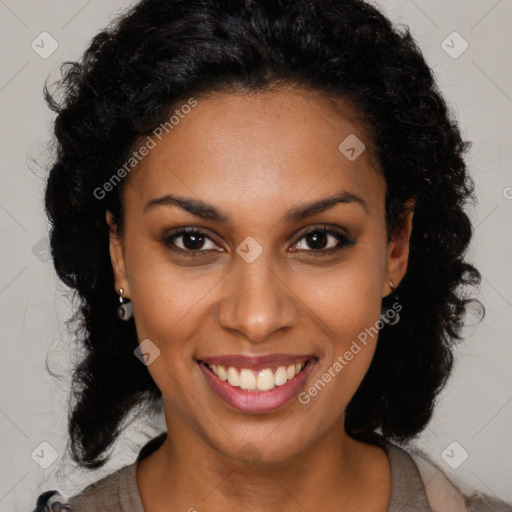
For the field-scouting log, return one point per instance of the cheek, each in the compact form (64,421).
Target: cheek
(348,299)
(352,318)
(168,303)
(166,297)
(351,313)
(346,305)
(169,310)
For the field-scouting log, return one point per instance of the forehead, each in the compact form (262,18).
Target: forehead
(281,145)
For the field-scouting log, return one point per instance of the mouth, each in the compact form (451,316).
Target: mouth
(257,385)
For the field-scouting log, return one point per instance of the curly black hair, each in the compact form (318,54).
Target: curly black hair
(129,80)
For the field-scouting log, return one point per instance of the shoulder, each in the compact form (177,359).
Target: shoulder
(113,492)
(116,492)
(442,494)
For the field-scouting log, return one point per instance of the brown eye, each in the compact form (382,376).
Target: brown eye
(323,240)
(189,240)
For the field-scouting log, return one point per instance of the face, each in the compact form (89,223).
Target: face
(261,280)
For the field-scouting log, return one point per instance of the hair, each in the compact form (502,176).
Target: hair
(159,52)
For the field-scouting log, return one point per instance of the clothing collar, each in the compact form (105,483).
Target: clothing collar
(407,489)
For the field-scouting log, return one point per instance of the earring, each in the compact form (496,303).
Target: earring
(125,309)
(390,316)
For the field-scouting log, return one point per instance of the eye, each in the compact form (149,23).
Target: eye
(192,241)
(323,240)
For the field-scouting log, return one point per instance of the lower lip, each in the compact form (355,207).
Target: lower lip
(255,402)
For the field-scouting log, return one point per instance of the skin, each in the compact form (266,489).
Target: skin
(255,157)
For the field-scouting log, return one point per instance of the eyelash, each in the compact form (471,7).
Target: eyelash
(343,241)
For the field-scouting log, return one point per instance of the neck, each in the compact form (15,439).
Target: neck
(186,473)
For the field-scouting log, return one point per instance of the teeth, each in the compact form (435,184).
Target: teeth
(247,380)
(221,372)
(233,377)
(280,377)
(263,380)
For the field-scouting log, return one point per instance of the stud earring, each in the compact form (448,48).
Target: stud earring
(392,285)
(125,309)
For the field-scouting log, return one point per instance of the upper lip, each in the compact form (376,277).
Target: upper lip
(255,362)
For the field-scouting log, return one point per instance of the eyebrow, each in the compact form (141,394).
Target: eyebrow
(209,212)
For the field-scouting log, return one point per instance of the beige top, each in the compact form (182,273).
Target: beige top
(118,491)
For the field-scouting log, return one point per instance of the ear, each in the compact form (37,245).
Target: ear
(117,256)
(398,250)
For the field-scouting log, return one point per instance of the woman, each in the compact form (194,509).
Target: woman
(260,205)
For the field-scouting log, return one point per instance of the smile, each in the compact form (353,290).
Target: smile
(262,380)
(257,385)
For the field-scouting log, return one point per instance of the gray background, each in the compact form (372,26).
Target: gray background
(474,410)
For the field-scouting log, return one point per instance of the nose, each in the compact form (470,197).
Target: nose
(257,301)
